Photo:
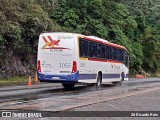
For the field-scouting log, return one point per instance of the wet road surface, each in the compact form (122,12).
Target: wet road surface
(52,97)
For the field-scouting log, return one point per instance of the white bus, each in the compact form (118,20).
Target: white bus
(71,58)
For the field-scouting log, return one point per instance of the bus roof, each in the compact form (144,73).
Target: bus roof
(100,40)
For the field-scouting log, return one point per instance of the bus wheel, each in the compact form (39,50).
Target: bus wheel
(68,86)
(119,83)
(99,80)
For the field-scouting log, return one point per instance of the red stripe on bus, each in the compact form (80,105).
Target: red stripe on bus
(96,59)
(107,43)
(44,39)
(52,42)
(91,39)
(50,38)
(115,45)
(101,60)
(114,61)
(56,43)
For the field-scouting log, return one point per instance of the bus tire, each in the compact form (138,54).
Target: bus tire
(68,86)
(99,79)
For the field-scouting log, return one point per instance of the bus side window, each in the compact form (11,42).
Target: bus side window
(112,53)
(126,58)
(118,54)
(121,55)
(109,52)
(83,48)
(93,49)
(101,51)
(115,54)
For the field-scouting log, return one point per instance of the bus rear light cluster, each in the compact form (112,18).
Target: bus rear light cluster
(39,66)
(74,67)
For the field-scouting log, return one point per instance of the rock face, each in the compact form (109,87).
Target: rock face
(17,65)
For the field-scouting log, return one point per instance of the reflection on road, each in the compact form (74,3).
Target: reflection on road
(49,97)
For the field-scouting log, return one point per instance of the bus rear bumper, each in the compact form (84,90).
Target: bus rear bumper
(72,78)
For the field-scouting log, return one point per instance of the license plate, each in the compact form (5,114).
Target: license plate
(55,78)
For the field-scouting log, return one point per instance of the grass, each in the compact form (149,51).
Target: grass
(14,81)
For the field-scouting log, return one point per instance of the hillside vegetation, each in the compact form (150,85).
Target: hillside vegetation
(134,24)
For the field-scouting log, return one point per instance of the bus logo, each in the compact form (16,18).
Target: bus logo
(6,114)
(51,44)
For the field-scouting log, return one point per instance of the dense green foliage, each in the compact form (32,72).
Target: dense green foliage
(21,23)
(134,24)
(147,15)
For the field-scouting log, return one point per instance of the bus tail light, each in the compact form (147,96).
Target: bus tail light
(74,67)
(39,66)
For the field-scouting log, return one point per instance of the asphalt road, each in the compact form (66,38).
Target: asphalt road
(135,94)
